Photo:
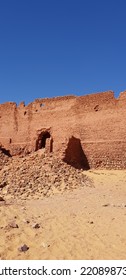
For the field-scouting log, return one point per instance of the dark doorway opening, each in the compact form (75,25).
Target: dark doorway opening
(43,139)
(41,142)
(74,154)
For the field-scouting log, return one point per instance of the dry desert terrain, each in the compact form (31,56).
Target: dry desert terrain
(69,221)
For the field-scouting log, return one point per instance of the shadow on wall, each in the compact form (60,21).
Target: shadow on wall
(74,154)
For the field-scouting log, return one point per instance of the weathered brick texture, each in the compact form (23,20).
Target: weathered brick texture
(96,122)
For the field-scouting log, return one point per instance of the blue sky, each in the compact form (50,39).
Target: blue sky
(60,47)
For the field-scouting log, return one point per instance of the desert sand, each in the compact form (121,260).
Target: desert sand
(82,223)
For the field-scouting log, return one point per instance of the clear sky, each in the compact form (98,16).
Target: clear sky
(60,47)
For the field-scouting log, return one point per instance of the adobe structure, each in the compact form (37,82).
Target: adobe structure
(85,131)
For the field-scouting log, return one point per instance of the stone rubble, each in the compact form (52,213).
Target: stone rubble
(39,175)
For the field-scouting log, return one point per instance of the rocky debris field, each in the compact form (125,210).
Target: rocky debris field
(38,175)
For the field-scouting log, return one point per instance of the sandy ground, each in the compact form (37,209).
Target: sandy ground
(86,223)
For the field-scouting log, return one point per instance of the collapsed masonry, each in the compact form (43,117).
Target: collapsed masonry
(86,132)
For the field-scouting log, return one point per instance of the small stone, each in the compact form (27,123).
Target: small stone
(23,248)
(26,221)
(36,226)
(2,185)
(13,225)
(45,245)
(23,208)
(106,205)
(2,199)
(90,222)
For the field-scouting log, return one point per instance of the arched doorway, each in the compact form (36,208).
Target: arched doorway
(44,141)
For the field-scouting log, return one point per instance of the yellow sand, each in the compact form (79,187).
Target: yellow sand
(87,223)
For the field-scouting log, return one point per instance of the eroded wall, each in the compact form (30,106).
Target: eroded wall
(98,120)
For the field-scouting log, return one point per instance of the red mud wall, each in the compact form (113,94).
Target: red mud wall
(97,120)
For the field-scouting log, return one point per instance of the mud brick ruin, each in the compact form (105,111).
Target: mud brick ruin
(85,131)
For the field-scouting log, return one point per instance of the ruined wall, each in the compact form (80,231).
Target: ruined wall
(97,120)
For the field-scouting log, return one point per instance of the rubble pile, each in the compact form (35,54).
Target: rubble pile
(39,175)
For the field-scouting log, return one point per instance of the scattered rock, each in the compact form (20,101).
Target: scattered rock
(45,245)
(106,205)
(2,199)
(90,222)
(36,226)
(40,176)
(23,208)
(122,205)
(13,225)
(26,221)
(3,184)
(23,248)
